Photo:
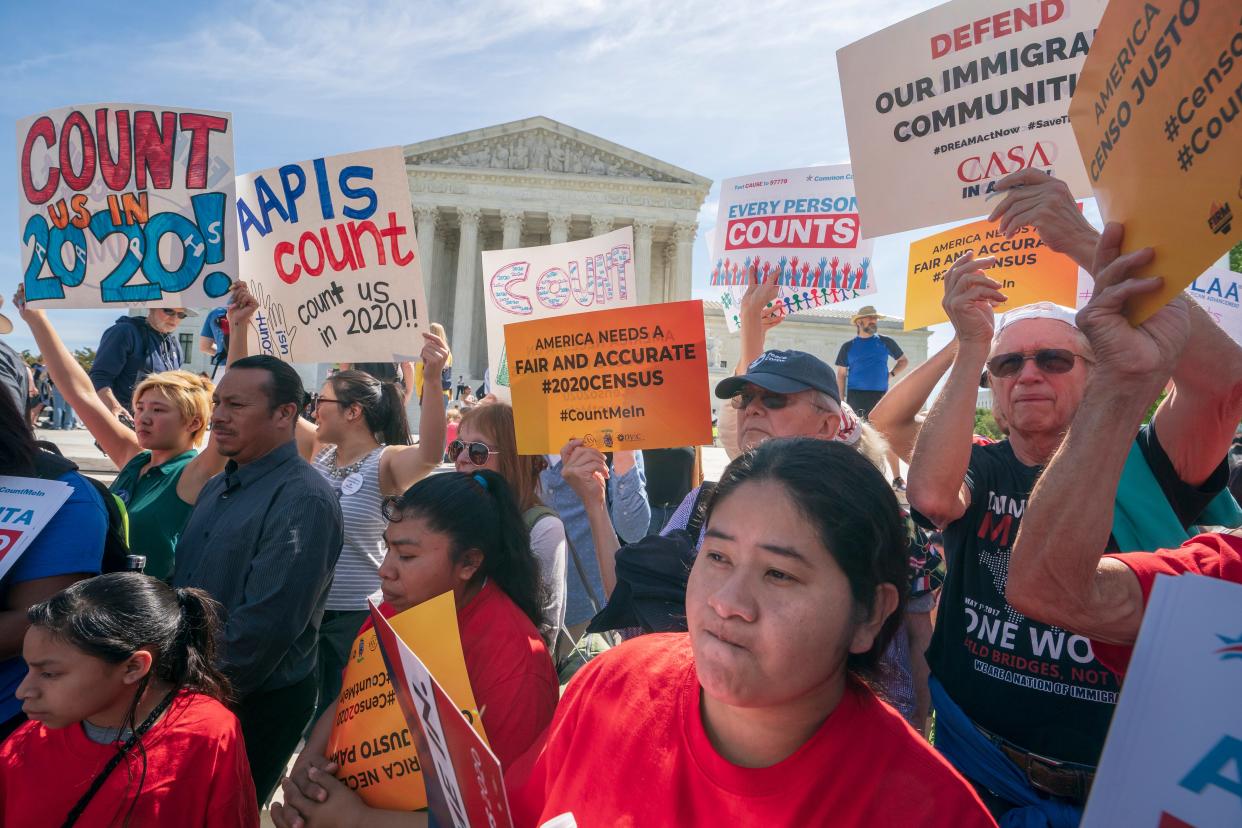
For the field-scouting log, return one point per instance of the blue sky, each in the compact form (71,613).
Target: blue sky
(721,89)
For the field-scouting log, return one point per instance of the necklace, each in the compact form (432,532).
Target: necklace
(341,472)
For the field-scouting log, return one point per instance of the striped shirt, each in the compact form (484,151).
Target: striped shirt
(358,488)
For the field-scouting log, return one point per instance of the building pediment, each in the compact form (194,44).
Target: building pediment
(542,145)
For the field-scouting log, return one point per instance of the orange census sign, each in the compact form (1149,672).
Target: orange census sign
(631,378)
(1158,118)
(1028,270)
(370,738)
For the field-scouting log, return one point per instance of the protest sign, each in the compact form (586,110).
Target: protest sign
(942,105)
(1217,290)
(1028,270)
(26,505)
(632,378)
(370,739)
(798,226)
(126,205)
(464,782)
(529,283)
(328,249)
(1171,759)
(1156,115)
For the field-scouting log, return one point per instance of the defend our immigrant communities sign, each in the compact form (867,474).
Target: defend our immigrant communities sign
(370,740)
(632,378)
(1173,760)
(464,782)
(1217,290)
(328,248)
(942,105)
(1028,270)
(1158,117)
(26,506)
(529,283)
(800,227)
(126,205)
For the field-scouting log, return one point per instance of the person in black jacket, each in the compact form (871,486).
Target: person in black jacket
(132,348)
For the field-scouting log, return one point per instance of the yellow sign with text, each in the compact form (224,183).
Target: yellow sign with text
(370,739)
(1158,117)
(1028,270)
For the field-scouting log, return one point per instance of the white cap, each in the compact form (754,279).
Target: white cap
(1035,310)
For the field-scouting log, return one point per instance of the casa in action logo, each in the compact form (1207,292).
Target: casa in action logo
(1221,219)
(1232,648)
(997,164)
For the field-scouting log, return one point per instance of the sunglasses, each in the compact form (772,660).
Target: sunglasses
(479,452)
(178,314)
(1048,360)
(390,508)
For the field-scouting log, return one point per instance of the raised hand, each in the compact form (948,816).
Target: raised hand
(970,296)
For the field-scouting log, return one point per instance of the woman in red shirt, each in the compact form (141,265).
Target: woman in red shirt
(127,725)
(761,713)
(459,533)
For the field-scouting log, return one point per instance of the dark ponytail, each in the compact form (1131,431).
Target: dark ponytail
(113,616)
(382,404)
(477,511)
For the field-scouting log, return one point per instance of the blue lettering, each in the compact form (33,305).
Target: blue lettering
(1209,770)
(246,220)
(287,173)
(366,193)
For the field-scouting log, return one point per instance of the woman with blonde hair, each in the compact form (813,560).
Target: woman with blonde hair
(486,439)
(161,470)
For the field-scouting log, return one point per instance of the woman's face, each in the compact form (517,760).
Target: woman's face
(468,433)
(418,565)
(65,685)
(159,426)
(331,415)
(770,612)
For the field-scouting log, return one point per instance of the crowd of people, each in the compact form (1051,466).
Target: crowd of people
(812,631)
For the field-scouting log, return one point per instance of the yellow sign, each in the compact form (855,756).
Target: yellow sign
(370,739)
(1028,270)
(1158,117)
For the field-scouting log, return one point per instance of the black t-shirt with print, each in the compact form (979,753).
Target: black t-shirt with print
(1034,685)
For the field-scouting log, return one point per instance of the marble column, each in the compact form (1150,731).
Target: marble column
(425,218)
(511,226)
(468,287)
(601,225)
(558,227)
(642,259)
(683,278)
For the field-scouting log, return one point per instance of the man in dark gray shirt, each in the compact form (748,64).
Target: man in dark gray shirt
(263,540)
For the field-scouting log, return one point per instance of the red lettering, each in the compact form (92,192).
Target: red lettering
(995,26)
(45,129)
(803,231)
(393,232)
(153,149)
(200,128)
(283,249)
(81,179)
(999,534)
(116,173)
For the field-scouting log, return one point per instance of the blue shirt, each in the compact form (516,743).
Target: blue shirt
(630,515)
(867,361)
(213,328)
(72,541)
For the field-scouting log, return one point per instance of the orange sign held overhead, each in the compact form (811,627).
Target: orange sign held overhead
(1028,270)
(1158,117)
(632,378)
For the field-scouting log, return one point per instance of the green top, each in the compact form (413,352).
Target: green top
(156,513)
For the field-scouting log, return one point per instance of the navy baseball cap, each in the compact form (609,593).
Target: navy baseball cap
(785,372)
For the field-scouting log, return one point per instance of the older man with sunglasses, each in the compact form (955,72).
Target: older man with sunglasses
(1023,707)
(132,348)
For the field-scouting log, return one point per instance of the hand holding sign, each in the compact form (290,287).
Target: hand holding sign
(1034,198)
(969,296)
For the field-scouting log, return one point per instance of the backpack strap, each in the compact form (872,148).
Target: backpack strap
(535,514)
(699,511)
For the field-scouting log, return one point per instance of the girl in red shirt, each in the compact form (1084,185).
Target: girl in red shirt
(460,533)
(127,725)
(761,713)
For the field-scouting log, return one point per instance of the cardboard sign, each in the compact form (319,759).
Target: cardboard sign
(634,378)
(328,249)
(1218,291)
(1028,270)
(1159,126)
(464,781)
(370,740)
(800,225)
(554,280)
(1171,759)
(941,106)
(126,205)
(26,506)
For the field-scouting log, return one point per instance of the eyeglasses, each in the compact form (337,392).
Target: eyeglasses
(316,400)
(479,452)
(171,312)
(1048,360)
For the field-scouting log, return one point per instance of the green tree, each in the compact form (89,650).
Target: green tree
(1235,258)
(985,424)
(85,358)
(30,358)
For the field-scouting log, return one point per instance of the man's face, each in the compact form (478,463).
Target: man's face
(1034,401)
(768,414)
(868,324)
(243,422)
(165,320)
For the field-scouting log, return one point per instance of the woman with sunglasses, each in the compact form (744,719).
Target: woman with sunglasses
(486,439)
(161,469)
(459,533)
